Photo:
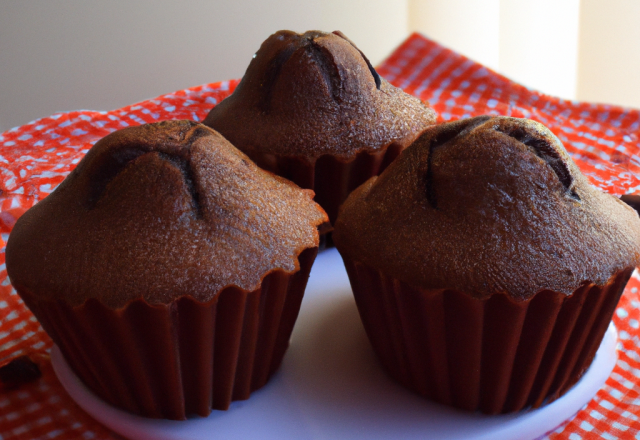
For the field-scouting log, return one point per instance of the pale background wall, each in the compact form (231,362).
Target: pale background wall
(533,42)
(73,54)
(80,54)
(470,27)
(609,57)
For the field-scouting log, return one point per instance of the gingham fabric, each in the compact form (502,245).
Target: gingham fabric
(602,139)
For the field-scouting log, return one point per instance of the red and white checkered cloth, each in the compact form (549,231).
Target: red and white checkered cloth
(34,158)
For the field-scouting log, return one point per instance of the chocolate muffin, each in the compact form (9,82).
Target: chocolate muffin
(168,268)
(485,267)
(312,108)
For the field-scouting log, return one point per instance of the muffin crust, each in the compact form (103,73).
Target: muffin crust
(313,94)
(488,205)
(157,212)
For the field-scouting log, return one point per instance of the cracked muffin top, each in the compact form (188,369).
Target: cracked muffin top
(488,205)
(307,95)
(157,212)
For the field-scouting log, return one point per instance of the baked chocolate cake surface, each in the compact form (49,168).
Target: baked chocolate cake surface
(488,205)
(312,94)
(159,211)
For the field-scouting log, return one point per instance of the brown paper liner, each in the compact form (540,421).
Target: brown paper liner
(332,179)
(186,357)
(494,355)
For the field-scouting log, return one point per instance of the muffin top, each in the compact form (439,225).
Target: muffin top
(314,94)
(157,212)
(488,205)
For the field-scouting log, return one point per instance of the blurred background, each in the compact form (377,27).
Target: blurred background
(59,55)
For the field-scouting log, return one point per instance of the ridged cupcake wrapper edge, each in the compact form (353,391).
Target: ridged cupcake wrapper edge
(184,358)
(331,178)
(494,355)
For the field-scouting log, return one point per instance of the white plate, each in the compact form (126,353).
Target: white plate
(331,386)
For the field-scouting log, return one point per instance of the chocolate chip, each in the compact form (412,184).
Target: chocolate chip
(632,200)
(545,151)
(18,372)
(375,75)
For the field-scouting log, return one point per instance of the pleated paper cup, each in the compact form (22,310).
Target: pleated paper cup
(183,358)
(330,177)
(493,355)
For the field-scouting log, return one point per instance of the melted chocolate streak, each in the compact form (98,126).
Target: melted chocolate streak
(328,68)
(182,163)
(178,157)
(545,151)
(443,138)
(541,147)
(375,75)
(272,73)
